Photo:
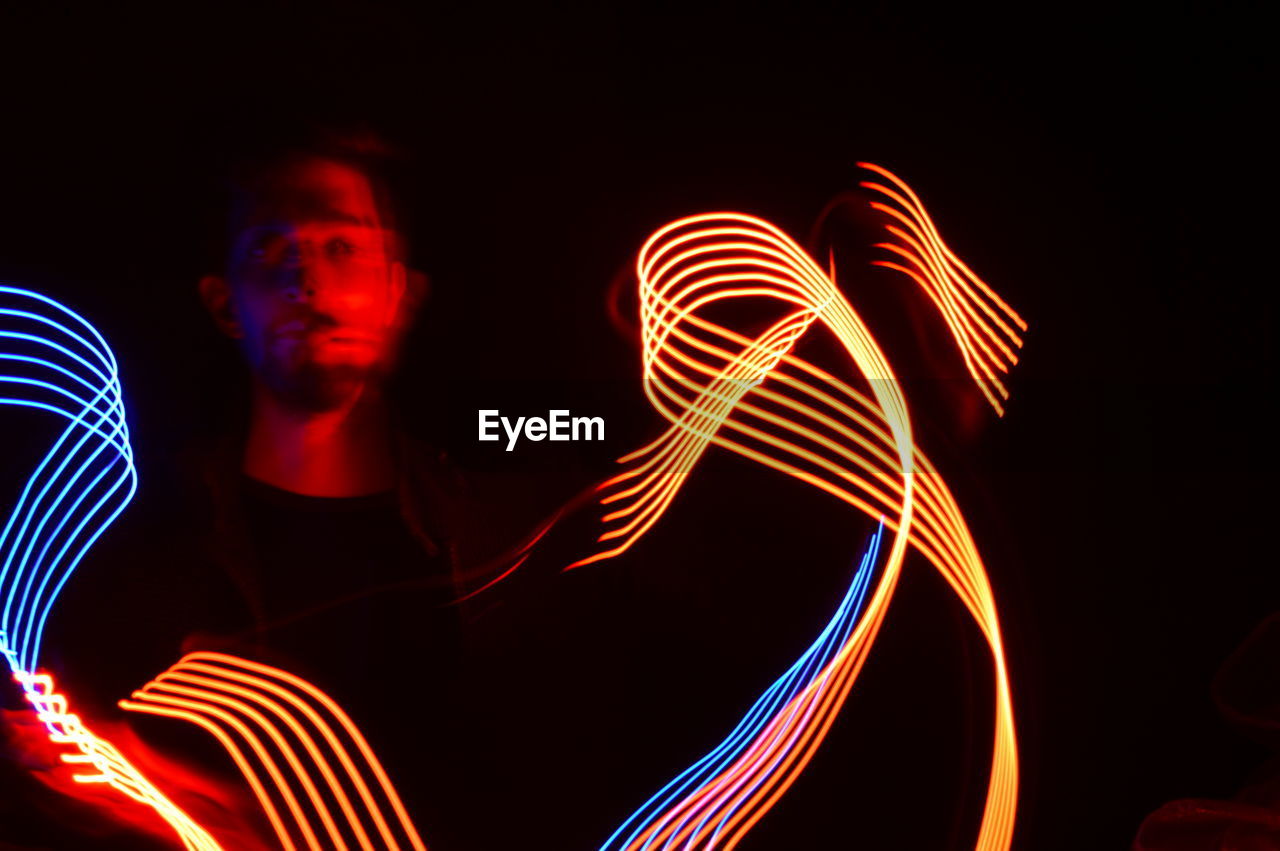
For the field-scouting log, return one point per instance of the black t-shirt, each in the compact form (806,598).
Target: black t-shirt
(506,704)
(341,582)
(339,591)
(345,596)
(542,712)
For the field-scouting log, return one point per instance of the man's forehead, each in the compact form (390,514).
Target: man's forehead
(312,191)
(292,220)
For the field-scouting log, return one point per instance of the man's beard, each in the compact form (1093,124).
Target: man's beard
(316,388)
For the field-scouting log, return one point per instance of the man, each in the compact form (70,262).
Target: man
(317,536)
(316,294)
(357,550)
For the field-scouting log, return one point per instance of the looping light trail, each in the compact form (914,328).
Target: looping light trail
(107,764)
(748,393)
(764,735)
(978,318)
(317,764)
(53,360)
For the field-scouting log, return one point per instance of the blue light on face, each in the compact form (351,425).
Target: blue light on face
(53,360)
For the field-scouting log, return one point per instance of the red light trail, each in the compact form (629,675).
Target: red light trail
(108,765)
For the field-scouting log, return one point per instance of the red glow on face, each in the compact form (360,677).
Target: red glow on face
(313,272)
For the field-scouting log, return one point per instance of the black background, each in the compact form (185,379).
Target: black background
(1103,169)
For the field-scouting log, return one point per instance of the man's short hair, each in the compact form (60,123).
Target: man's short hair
(250,169)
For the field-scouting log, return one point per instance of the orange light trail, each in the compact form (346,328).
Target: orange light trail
(54,360)
(102,761)
(751,395)
(958,293)
(305,752)
(317,780)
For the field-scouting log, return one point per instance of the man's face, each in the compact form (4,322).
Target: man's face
(314,285)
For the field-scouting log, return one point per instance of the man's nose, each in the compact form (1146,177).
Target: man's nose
(300,284)
(305,281)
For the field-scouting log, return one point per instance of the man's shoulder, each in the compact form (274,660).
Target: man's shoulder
(488,511)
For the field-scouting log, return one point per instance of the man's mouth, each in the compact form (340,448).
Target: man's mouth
(351,339)
(293,332)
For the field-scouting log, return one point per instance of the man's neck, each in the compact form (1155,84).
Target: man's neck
(343,452)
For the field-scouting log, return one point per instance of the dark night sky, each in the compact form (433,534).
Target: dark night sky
(1103,169)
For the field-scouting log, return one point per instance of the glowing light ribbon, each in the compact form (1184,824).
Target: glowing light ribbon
(758,730)
(61,365)
(978,318)
(751,395)
(263,717)
(65,728)
(53,360)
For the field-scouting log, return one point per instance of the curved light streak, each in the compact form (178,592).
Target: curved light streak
(53,360)
(756,732)
(294,745)
(714,385)
(977,317)
(750,394)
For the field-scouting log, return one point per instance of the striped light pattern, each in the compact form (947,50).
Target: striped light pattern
(748,392)
(106,763)
(764,735)
(314,775)
(981,323)
(52,360)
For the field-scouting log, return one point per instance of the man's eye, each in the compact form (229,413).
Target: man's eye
(266,249)
(339,247)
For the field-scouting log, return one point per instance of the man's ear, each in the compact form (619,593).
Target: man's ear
(409,289)
(216,296)
(418,288)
